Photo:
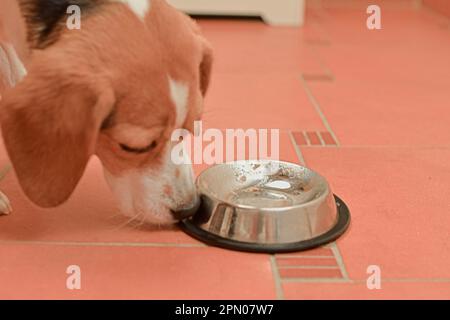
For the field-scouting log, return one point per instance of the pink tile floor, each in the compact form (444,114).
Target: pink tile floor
(370,110)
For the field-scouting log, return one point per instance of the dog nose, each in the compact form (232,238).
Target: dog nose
(184,213)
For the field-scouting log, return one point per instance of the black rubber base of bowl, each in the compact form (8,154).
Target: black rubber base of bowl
(331,235)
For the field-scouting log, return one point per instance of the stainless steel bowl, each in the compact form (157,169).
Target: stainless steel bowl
(266,206)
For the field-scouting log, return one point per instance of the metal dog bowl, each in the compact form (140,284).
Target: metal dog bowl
(266,206)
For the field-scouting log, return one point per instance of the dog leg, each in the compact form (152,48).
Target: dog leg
(12,71)
(5,205)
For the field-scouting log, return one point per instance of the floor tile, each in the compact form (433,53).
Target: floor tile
(325,252)
(255,48)
(385,113)
(310,273)
(39,272)
(263,101)
(383,94)
(303,262)
(399,207)
(90,215)
(389,290)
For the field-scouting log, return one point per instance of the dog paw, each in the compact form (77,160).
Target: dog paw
(5,205)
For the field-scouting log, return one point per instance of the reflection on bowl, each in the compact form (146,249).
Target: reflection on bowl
(266,206)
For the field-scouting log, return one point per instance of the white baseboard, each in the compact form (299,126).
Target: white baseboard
(274,12)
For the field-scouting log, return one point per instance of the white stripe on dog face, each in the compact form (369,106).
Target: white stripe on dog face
(140,192)
(139,7)
(179,94)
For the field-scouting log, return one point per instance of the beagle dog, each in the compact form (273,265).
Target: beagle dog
(117,87)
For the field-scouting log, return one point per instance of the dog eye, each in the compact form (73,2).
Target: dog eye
(150,147)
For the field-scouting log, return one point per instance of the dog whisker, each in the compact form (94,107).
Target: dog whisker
(129,221)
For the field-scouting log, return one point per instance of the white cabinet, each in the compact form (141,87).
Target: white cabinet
(274,12)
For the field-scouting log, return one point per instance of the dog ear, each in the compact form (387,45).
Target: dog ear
(205,66)
(50,122)
(207,55)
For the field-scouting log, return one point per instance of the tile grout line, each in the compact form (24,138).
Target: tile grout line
(360,281)
(322,64)
(306,257)
(319,28)
(306,136)
(357,146)
(340,261)
(316,280)
(322,34)
(336,255)
(273,259)
(309,267)
(424,280)
(318,109)
(276,278)
(323,144)
(297,149)
(105,244)
(353,146)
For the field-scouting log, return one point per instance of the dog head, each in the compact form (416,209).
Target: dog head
(118,87)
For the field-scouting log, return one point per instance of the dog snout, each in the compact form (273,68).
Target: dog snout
(187,211)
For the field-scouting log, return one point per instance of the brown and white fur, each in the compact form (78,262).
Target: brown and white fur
(116,88)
